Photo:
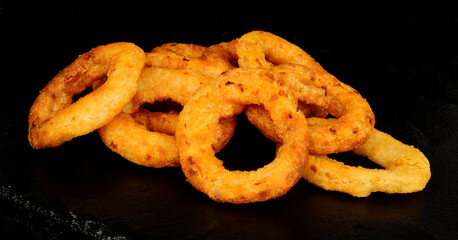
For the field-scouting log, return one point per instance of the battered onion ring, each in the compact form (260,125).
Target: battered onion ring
(55,119)
(355,117)
(406,168)
(259,49)
(167,122)
(312,111)
(224,50)
(225,97)
(157,121)
(210,61)
(174,55)
(138,145)
(132,140)
(186,50)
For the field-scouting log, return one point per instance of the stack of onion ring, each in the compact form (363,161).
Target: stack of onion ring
(135,141)
(355,119)
(297,69)
(284,92)
(169,74)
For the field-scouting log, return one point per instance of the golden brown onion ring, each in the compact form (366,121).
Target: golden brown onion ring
(224,97)
(167,123)
(406,168)
(54,118)
(132,140)
(355,117)
(259,49)
(264,50)
(138,145)
(157,121)
(210,61)
(174,55)
(186,50)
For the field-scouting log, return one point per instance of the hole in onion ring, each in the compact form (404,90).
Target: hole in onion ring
(354,160)
(163,106)
(248,149)
(87,90)
(82,94)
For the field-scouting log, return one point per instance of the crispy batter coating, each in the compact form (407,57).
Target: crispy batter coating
(138,145)
(296,69)
(132,140)
(167,122)
(259,49)
(157,121)
(277,84)
(406,168)
(173,71)
(225,97)
(186,50)
(210,61)
(355,117)
(54,118)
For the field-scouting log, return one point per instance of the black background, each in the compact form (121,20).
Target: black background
(404,61)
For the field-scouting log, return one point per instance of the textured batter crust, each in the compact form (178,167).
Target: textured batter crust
(297,69)
(259,49)
(210,61)
(138,145)
(167,123)
(225,97)
(134,141)
(406,170)
(54,118)
(355,117)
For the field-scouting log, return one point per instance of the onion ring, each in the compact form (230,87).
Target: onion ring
(186,50)
(259,49)
(210,61)
(157,121)
(167,122)
(355,117)
(224,50)
(54,118)
(174,55)
(138,145)
(406,170)
(224,97)
(132,140)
